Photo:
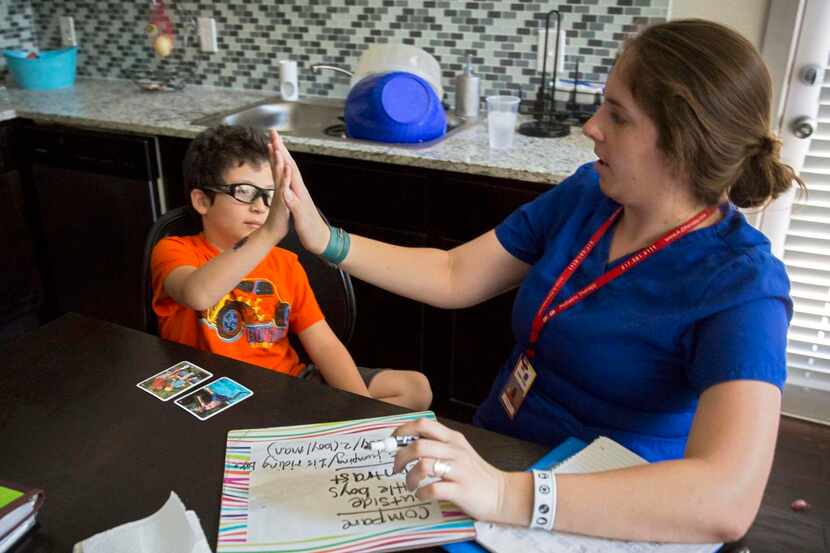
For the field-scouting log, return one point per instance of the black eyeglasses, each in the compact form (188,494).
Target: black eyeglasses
(246,192)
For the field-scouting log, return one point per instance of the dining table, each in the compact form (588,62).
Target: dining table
(74,423)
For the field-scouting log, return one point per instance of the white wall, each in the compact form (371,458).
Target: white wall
(748,17)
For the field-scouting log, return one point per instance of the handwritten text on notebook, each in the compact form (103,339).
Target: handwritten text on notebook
(337,475)
(316,488)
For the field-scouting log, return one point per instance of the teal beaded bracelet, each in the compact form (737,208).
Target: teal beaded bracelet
(338,246)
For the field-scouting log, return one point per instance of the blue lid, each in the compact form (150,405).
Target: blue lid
(404,98)
(394,107)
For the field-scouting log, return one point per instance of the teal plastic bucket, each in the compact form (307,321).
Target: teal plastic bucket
(51,69)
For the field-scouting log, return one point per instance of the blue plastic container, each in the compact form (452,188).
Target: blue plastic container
(51,69)
(394,107)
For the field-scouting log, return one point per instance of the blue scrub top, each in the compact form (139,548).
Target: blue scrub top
(630,361)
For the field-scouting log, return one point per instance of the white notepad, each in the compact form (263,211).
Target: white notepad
(602,454)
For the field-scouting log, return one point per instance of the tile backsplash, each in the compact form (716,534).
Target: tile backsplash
(16,26)
(502,36)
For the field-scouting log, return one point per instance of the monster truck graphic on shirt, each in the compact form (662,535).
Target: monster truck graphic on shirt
(252,308)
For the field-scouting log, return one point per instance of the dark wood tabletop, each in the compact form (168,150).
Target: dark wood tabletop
(73,422)
(801,470)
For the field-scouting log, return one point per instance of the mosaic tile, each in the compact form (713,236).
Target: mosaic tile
(16,27)
(255,34)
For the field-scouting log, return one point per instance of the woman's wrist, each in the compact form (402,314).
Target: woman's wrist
(338,246)
(543,515)
(323,238)
(516,499)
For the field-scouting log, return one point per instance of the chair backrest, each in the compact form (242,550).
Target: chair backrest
(331,286)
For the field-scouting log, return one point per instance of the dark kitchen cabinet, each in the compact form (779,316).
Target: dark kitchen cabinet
(171,156)
(389,329)
(21,292)
(375,201)
(94,196)
(459,350)
(468,346)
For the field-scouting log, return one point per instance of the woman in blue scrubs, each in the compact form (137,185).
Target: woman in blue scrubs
(648,309)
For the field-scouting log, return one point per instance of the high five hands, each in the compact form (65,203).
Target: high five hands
(310,227)
(278,215)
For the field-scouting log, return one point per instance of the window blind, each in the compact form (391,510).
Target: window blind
(807,257)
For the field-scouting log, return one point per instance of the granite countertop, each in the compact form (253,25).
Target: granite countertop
(117,105)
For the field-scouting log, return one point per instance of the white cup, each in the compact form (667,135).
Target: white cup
(289,90)
(502,113)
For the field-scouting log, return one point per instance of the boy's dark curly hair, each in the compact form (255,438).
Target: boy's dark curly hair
(218,149)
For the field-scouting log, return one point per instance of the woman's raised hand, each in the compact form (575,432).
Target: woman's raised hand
(467,480)
(278,213)
(312,230)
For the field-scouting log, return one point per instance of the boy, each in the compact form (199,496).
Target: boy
(230,291)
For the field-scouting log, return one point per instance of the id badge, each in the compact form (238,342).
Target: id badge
(518,385)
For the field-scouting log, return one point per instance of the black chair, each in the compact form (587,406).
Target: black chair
(331,286)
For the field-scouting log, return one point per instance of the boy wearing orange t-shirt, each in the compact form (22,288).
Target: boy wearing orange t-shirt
(230,291)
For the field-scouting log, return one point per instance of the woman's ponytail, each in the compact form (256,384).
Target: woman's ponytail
(763,177)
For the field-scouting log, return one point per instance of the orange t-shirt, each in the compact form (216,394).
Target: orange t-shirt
(251,322)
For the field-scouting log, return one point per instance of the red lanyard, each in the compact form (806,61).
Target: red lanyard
(542,318)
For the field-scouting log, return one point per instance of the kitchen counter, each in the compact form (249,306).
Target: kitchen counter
(117,105)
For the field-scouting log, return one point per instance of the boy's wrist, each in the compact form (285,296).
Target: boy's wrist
(275,233)
(261,236)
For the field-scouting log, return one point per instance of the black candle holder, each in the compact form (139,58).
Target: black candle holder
(547,121)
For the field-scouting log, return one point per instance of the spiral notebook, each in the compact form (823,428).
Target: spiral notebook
(315,487)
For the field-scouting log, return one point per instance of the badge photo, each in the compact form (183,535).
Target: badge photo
(518,385)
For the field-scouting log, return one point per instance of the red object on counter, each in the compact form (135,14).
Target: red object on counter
(159,18)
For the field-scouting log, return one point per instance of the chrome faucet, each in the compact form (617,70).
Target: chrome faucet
(317,67)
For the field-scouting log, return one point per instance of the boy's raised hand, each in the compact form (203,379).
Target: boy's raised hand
(311,228)
(278,214)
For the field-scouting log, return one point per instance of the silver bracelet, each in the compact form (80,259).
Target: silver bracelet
(544,500)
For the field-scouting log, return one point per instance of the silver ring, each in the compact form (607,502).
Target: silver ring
(441,469)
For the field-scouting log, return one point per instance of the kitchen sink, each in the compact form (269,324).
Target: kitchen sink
(298,118)
(318,118)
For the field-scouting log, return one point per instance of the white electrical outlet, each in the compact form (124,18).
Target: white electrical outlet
(540,59)
(207,34)
(67,24)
